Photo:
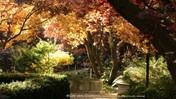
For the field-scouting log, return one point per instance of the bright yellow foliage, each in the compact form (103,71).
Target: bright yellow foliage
(62,58)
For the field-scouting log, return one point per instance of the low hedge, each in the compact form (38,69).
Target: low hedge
(9,77)
(41,87)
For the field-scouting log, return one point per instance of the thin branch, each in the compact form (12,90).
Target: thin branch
(3,20)
(5,11)
(23,24)
(36,24)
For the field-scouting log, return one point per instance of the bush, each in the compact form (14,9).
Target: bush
(61,59)
(42,87)
(7,78)
(29,58)
(40,59)
(163,89)
(135,72)
(161,85)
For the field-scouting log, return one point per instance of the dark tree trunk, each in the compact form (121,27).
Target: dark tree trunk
(91,54)
(115,62)
(147,68)
(116,58)
(162,41)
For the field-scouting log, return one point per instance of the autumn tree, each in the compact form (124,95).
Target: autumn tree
(99,30)
(99,16)
(61,9)
(108,34)
(107,31)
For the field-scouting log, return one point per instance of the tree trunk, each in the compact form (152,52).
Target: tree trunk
(147,68)
(91,54)
(140,18)
(114,58)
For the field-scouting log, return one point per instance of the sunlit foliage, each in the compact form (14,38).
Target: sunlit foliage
(18,22)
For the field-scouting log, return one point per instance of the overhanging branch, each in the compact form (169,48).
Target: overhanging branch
(23,25)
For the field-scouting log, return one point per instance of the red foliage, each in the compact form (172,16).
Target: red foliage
(148,36)
(138,2)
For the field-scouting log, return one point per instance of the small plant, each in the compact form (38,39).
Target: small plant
(109,89)
(135,72)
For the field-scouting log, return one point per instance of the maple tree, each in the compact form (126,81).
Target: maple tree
(155,19)
(73,18)
(100,22)
(102,40)
(98,30)
(75,6)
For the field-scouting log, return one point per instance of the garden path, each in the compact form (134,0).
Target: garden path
(75,71)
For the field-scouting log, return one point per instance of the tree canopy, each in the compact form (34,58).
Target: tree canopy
(71,20)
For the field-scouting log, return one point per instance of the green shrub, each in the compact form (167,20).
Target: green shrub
(42,58)
(29,58)
(163,89)
(135,72)
(41,87)
(161,85)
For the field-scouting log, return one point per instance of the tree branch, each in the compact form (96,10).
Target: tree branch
(3,20)
(22,27)
(36,24)
(147,24)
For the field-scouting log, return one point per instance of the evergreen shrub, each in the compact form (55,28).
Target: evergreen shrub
(39,87)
